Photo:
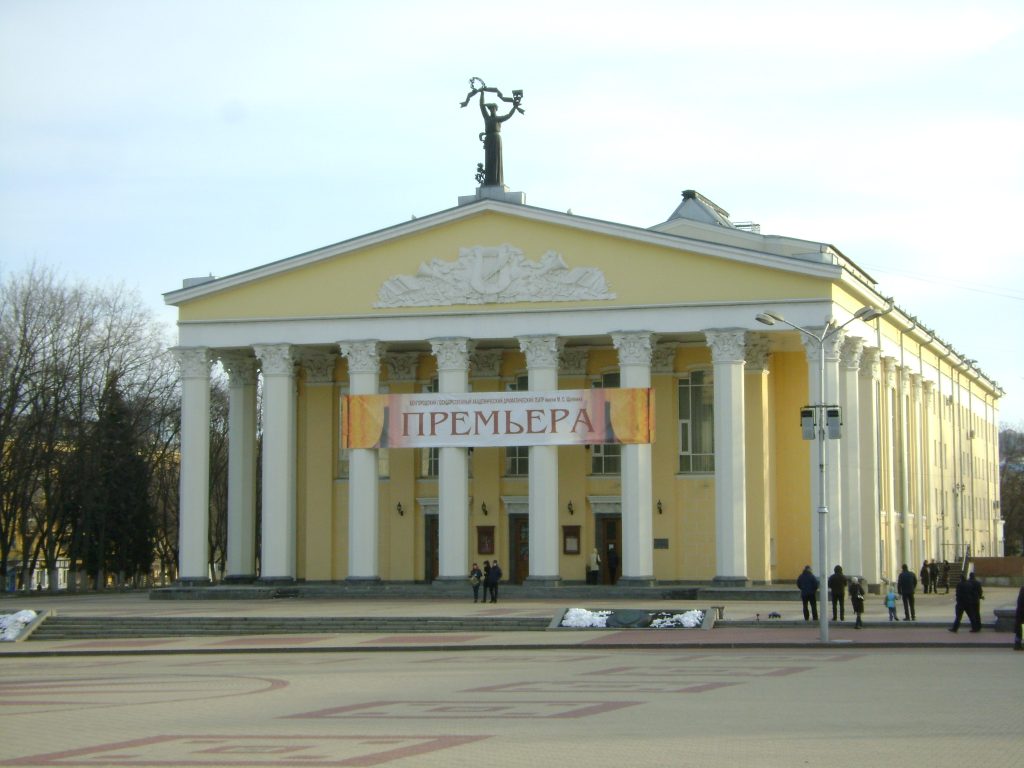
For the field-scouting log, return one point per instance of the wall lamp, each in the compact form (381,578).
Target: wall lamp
(483,507)
(570,507)
(401,512)
(659,506)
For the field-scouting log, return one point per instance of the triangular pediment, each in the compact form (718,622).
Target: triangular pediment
(493,255)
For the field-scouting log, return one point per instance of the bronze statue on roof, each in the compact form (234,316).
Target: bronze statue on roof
(491,173)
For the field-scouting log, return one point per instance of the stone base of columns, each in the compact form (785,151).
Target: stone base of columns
(240,579)
(731,581)
(635,581)
(277,581)
(544,581)
(363,580)
(193,583)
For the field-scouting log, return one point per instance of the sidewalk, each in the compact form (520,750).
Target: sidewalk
(744,624)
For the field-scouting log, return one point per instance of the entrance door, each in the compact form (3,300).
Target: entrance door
(430,556)
(519,548)
(609,534)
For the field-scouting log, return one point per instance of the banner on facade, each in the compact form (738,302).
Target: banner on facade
(470,419)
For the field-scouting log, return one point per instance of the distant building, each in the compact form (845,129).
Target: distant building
(495,296)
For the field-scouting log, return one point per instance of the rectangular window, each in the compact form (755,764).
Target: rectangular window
(606,459)
(696,423)
(430,458)
(570,539)
(485,539)
(517,457)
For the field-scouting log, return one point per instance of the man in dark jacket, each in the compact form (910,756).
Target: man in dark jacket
(807,583)
(964,595)
(976,594)
(837,590)
(905,586)
(491,582)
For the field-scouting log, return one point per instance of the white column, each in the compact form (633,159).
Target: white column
(833,476)
(928,510)
(727,355)
(903,454)
(915,451)
(758,459)
(277,562)
(194,494)
(453,471)
(542,367)
(241,370)
(363,485)
(891,568)
(849,391)
(870,519)
(634,350)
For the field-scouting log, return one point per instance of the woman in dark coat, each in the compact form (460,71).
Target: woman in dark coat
(857,600)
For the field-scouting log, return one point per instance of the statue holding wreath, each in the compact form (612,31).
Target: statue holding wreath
(492,173)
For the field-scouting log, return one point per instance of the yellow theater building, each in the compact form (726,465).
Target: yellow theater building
(726,333)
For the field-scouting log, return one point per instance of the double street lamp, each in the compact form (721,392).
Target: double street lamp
(816,419)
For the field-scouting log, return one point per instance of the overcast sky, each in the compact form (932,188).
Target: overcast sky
(146,141)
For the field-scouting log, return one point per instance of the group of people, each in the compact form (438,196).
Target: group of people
(933,576)
(838,585)
(487,578)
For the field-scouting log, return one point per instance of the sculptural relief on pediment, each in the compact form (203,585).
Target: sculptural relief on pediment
(493,275)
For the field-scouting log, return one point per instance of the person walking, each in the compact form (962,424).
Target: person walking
(613,564)
(837,591)
(493,577)
(905,585)
(976,595)
(476,577)
(593,567)
(963,602)
(945,575)
(933,576)
(807,583)
(926,578)
(486,579)
(857,600)
(890,603)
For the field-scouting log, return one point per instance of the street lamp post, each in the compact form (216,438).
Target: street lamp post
(820,416)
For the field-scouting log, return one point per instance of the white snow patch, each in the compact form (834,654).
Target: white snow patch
(13,624)
(581,617)
(688,619)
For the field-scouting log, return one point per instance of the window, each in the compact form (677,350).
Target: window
(606,459)
(570,539)
(696,423)
(485,539)
(430,458)
(517,457)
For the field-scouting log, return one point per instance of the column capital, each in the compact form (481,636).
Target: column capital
(870,362)
(401,366)
(832,343)
(929,392)
(915,385)
(663,359)
(362,356)
(240,366)
(486,363)
(541,351)
(319,366)
(194,362)
(851,353)
(756,352)
(276,359)
(573,361)
(634,347)
(452,353)
(889,371)
(728,345)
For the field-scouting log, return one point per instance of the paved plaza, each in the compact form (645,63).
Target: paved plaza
(761,695)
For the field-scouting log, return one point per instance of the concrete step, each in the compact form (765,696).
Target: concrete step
(86,628)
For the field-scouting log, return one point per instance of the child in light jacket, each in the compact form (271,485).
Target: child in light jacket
(890,603)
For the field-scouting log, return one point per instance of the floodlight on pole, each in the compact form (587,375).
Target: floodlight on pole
(822,423)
